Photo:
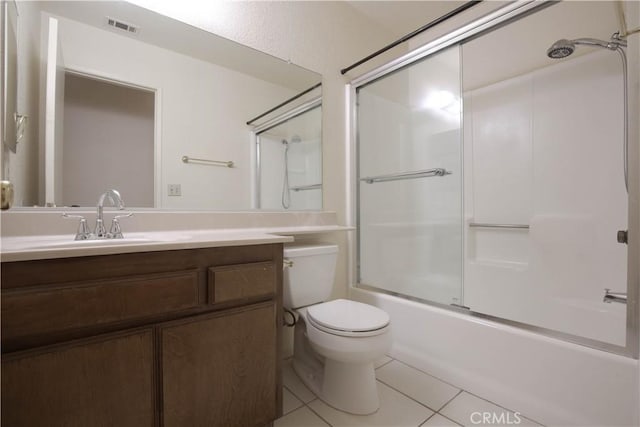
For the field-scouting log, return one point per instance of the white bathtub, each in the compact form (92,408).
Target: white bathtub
(549,380)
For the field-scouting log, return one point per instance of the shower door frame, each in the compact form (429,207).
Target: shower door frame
(475,28)
(276,121)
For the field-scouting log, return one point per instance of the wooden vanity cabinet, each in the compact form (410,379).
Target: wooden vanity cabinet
(173,338)
(207,359)
(108,381)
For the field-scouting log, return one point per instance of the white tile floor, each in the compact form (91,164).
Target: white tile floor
(408,397)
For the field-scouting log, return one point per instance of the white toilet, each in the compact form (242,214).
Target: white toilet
(335,342)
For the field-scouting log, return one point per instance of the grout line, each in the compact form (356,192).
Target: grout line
(317,414)
(500,406)
(385,363)
(461,390)
(428,418)
(426,373)
(406,395)
(449,401)
(455,422)
(296,397)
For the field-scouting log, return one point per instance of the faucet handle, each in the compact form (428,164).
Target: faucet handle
(83,232)
(115,232)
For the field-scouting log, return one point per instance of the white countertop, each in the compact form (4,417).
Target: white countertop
(24,248)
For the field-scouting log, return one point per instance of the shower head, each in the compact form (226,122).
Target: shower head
(294,140)
(563,47)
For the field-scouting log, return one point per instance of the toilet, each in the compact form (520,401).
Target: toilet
(335,342)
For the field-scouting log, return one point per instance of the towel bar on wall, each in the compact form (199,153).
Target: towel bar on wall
(187,159)
(306,187)
(486,225)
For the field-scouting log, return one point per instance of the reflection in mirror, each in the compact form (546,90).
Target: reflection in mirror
(140,92)
(290,162)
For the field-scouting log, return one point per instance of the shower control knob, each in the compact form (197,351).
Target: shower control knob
(622,236)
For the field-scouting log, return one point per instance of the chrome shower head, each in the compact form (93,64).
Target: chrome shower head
(561,49)
(294,140)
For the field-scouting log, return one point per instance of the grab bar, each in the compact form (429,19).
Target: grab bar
(609,297)
(486,225)
(406,175)
(187,159)
(306,187)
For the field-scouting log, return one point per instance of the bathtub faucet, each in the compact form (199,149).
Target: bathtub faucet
(609,297)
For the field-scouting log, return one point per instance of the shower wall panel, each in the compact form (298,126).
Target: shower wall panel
(545,149)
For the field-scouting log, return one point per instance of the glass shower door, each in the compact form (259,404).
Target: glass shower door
(410,180)
(289,166)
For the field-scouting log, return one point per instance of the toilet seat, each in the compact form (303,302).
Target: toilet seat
(348,318)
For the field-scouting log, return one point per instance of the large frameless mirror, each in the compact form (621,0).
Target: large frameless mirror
(121,97)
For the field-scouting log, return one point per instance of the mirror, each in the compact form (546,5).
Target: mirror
(121,97)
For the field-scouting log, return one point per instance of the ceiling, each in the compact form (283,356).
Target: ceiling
(399,18)
(171,34)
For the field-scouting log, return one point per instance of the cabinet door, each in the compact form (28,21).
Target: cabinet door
(220,370)
(106,381)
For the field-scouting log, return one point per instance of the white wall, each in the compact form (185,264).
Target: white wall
(194,121)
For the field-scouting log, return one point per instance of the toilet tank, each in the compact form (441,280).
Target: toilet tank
(309,278)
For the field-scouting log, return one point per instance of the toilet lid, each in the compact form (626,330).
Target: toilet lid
(350,316)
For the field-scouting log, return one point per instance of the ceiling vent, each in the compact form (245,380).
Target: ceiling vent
(123,26)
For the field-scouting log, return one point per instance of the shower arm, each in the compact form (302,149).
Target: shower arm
(566,48)
(614,44)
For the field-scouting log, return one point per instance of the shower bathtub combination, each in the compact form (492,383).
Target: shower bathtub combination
(490,172)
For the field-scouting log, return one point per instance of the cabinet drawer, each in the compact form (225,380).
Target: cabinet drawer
(236,282)
(58,308)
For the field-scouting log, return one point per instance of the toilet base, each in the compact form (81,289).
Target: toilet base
(348,387)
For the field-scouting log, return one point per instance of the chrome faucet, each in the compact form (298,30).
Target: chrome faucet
(619,297)
(99,231)
(116,200)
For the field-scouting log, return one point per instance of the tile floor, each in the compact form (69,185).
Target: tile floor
(408,397)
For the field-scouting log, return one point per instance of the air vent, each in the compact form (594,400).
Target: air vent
(123,26)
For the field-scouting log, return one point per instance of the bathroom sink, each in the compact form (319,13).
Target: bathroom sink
(39,243)
(92,243)
(57,243)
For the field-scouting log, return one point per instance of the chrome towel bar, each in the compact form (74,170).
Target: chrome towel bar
(486,225)
(306,187)
(406,175)
(187,159)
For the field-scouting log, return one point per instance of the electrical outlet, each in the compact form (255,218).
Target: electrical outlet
(174,190)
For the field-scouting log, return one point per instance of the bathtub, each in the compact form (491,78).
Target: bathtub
(548,380)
